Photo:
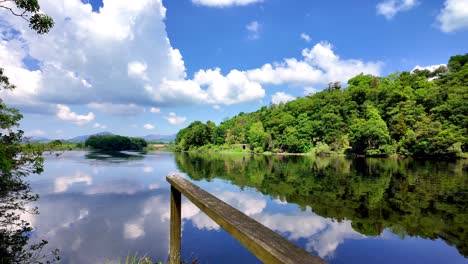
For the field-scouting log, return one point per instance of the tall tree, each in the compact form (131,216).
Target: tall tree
(17,161)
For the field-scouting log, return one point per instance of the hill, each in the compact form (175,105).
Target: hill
(85,137)
(419,113)
(159,138)
(35,139)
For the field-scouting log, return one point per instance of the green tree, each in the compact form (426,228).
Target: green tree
(258,138)
(17,161)
(30,11)
(370,136)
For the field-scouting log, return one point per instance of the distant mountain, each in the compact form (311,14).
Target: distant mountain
(85,137)
(159,138)
(35,139)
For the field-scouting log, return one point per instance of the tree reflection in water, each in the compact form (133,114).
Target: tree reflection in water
(408,197)
(15,231)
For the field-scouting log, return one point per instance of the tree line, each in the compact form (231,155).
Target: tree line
(418,113)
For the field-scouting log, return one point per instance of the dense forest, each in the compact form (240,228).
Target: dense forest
(418,113)
(115,143)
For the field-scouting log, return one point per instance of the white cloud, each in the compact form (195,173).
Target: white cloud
(148,169)
(233,88)
(173,119)
(430,67)
(36,132)
(117,109)
(309,90)
(94,68)
(137,69)
(454,15)
(61,184)
(319,66)
(97,74)
(389,8)
(281,97)
(155,110)
(225,3)
(321,234)
(148,126)
(64,113)
(306,37)
(254,30)
(99,126)
(134,229)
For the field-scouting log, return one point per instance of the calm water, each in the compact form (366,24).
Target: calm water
(98,207)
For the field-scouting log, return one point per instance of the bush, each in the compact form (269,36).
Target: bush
(323,149)
(258,150)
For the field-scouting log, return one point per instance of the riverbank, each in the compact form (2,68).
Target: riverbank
(312,154)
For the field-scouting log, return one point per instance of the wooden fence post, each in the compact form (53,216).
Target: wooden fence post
(175,226)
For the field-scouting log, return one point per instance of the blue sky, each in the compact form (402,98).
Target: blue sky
(153,67)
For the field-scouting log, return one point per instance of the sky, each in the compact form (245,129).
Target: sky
(154,66)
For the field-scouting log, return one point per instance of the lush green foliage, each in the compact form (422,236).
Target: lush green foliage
(54,145)
(15,193)
(29,10)
(409,197)
(16,163)
(115,143)
(416,114)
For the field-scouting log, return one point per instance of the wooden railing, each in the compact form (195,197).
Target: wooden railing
(265,244)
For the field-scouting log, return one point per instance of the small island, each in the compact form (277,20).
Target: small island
(115,143)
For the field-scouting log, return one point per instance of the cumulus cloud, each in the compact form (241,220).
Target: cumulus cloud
(173,119)
(99,126)
(93,68)
(389,8)
(281,97)
(137,69)
(430,67)
(61,184)
(454,16)
(319,66)
(155,110)
(117,109)
(95,73)
(148,126)
(211,87)
(306,37)
(254,29)
(225,3)
(64,113)
(321,234)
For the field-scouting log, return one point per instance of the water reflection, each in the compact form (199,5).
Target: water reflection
(115,156)
(101,209)
(409,198)
(95,208)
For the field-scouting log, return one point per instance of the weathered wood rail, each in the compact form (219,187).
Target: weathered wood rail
(265,244)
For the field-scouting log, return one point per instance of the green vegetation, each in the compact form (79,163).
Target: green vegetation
(115,143)
(29,10)
(16,164)
(413,114)
(408,197)
(135,259)
(55,145)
